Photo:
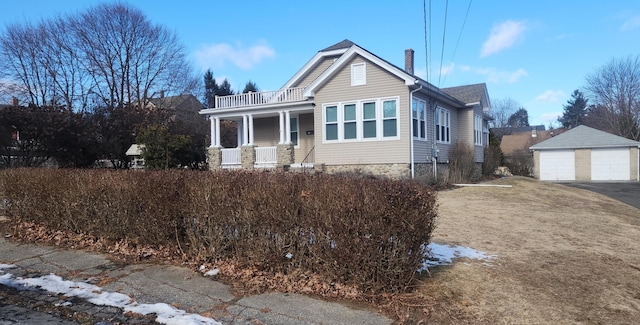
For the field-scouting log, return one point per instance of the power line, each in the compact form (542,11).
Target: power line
(444,33)
(426,47)
(464,22)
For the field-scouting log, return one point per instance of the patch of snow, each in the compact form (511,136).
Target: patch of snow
(289,256)
(165,313)
(444,254)
(212,272)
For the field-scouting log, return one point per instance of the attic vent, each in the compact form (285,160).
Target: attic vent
(358,74)
(534,133)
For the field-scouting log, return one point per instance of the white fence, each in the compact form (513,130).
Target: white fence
(231,158)
(266,156)
(260,98)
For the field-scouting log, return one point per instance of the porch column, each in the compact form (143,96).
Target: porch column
(245,130)
(239,132)
(215,132)
(250,129)
(282,128)
(287,127)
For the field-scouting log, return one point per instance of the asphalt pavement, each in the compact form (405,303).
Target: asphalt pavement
(166,286)
(627,192)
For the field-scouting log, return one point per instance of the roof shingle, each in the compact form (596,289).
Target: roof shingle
(583,137)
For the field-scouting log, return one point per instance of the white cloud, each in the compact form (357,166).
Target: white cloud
(631,23)
(447,69)
(497,76)
(548,118)
(217,55)
(421,72)
(502,36)
(550,96)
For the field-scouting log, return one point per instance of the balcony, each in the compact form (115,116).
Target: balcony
(287,95)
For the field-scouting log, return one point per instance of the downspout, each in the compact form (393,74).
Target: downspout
(638,164)
(413,170)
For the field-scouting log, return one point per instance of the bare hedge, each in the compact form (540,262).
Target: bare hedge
(353,230)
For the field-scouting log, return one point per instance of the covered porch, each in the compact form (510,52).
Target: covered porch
(274,130)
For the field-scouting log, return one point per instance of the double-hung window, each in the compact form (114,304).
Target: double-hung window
(293,128)
(443,125)
(477,130)
(369,121)
(331,122)
(419,119)
(373,119)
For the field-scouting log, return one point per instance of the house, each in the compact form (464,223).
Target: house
(509,130)
(135,154)
(350,110)
(586,154)
(521,141)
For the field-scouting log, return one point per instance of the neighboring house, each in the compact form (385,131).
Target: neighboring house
(509,130)
(135,154)
(517,142)
(586,154)
(349,110)
(182,107)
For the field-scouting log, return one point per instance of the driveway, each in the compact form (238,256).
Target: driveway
(628,192)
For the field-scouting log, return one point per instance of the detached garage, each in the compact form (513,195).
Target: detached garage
(586,154)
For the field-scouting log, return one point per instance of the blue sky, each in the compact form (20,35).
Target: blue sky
(535,52)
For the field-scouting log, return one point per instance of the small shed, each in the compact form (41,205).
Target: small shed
(585,154)
(135,154)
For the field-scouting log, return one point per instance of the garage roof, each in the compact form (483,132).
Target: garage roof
(585,137)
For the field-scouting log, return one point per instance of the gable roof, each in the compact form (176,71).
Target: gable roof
(583,136)
(511,143)
(185,102)
(467,93)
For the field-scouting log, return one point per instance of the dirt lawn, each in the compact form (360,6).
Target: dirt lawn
(564,256)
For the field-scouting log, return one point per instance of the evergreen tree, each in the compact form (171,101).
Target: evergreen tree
(519,118)
(575,110)
(211,89)
(225,88)
(250,87)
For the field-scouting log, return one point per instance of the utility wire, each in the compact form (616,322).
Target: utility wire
(426,42)
(464,22)
(444,33)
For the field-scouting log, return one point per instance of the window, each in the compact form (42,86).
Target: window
(374,119)
(389,120)
(369,120)
(443,125)
(477,130)
(419,119)
(293,127)
(331,123)
(350,127)
(358,74)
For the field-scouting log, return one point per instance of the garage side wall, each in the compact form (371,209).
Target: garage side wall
(583,164)
(536,164)
(634,163)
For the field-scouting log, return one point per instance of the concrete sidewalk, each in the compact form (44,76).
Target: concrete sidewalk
(176,286)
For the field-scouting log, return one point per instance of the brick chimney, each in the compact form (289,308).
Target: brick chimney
(408,61)
(15,101)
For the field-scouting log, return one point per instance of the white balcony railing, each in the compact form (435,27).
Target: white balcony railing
(260,98)
(231,158)
(266,156)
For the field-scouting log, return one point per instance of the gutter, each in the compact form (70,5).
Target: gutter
(413,170)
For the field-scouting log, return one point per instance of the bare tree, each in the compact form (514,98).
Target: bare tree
(615,91)
(110,52)
(501,110)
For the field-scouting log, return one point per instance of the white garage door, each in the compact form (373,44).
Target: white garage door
(557,165)
(610,164)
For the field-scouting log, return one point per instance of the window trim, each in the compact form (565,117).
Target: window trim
(446,119)
(296,144)
(421,120)
(379,107)
(477,130)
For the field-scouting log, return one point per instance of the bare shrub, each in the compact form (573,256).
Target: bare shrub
(360,231)
(461,163)
(520,163)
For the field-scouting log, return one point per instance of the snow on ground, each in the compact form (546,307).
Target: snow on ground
(444,254)
(439,255)
(165,313)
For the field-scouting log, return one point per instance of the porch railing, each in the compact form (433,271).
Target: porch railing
(231,158)
(266,156)
(260,98)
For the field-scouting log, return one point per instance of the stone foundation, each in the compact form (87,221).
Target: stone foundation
(284,155)
(387,170)
(248,156)
(214,158)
